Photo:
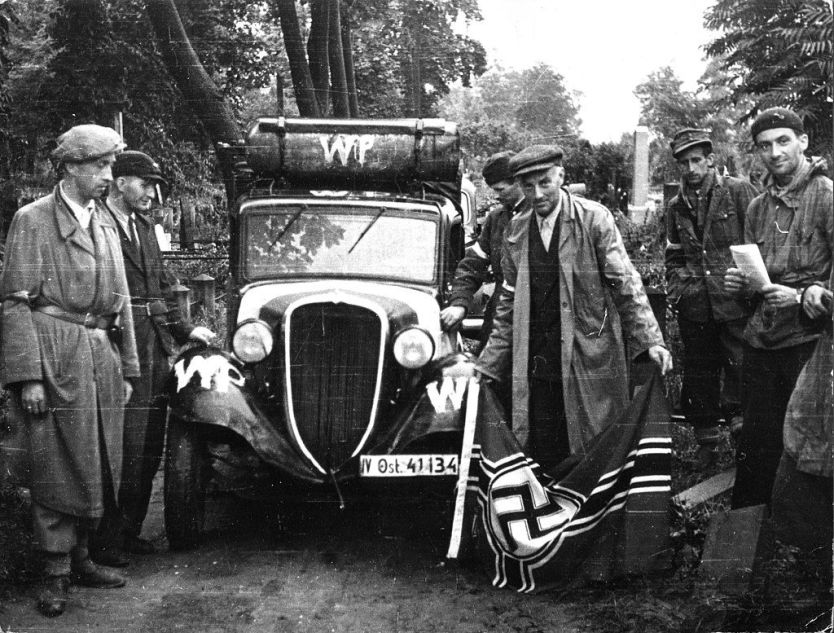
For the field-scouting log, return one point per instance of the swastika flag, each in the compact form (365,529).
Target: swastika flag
(604,517)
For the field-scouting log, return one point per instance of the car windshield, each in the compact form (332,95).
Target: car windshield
(368,241)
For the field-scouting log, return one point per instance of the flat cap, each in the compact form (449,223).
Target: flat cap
(86,142)
(497,168)
(132,163)
(688,138)
(775,118)
(536,158)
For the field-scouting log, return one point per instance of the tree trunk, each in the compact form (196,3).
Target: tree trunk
(191,78)
(347,54)
(302,82)
(317,51)
(339,91)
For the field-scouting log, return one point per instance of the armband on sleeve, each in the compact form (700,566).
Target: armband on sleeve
(19,297)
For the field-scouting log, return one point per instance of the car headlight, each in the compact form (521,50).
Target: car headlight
(252,341)
(413,347)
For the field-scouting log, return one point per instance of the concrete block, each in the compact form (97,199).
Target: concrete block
(737,542)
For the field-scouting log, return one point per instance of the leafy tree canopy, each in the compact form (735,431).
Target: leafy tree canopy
(778,52)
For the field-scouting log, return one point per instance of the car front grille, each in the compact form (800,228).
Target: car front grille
(334,355)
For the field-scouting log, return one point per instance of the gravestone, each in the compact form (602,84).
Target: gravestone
(640,180)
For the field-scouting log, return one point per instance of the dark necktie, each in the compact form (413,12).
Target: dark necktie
(134,235)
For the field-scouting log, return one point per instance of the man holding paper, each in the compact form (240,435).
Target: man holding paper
(791,223)
(704,221)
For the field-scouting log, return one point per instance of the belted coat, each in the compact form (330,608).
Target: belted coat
(601,296)
(51,260)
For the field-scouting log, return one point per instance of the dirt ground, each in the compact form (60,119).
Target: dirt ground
(336,571)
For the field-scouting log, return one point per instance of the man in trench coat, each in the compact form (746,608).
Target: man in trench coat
(67,353)
(570,293)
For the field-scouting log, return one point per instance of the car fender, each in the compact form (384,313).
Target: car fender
(208,387)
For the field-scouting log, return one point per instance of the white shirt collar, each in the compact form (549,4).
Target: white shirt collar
(82,214)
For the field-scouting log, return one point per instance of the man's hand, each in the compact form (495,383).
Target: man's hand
(202,335)
(33,397)
(127,389)
(461,369)
(661,356)
(779,296)
(451,316)
(813,301)
(735,281)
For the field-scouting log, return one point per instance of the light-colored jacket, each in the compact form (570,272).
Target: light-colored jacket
(601,297)
(51,260)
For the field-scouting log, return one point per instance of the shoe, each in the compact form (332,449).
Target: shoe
(52,599)
(88,574)
(705,457)
(136,545)
(109,556)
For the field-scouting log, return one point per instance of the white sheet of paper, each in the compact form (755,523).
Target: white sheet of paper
(749,259)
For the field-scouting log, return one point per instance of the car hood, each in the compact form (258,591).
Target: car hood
(403,306)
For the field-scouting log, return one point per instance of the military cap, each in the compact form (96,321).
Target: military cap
(497,168)
(536,158)
(132,163)
(688,138)
(87,142)
(775,118)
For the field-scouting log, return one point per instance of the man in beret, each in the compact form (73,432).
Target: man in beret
(68,353)
(159,328)
(792,223)
(485,255)
(568,283)
(703,220)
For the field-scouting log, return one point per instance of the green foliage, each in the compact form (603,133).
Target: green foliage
(778,52)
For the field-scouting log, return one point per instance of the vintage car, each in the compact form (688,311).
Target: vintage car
(345,235)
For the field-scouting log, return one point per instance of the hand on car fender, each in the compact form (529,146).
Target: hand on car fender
(450,317)
(661,356)
(461,369)
(202,335)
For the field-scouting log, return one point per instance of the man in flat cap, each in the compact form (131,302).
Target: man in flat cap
(159,328)
(703,220)
(485,255)
(792,223)
(557,332)
(68,354)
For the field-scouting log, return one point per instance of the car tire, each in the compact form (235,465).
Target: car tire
(186,464)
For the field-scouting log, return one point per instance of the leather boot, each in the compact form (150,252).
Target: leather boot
(88,574)
(52,598)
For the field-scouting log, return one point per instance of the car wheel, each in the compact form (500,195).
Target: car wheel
(186,464)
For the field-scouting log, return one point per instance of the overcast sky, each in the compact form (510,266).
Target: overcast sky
(603,48)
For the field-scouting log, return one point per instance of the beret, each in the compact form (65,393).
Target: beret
(497,168)
(86,142)
(132,163)
(688,138)
(536,158)
(775,118)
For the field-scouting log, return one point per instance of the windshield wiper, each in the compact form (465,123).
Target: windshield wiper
(287,226)
(367,228)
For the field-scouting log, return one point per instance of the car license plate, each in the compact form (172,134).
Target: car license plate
(407,465)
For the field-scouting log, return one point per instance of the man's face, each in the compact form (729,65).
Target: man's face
(781,150)
(541,189)
(508,192)
(694,164)
(93,177)
(138,193)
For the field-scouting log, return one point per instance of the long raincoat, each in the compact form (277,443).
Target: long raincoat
(602,297)
(51,260)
